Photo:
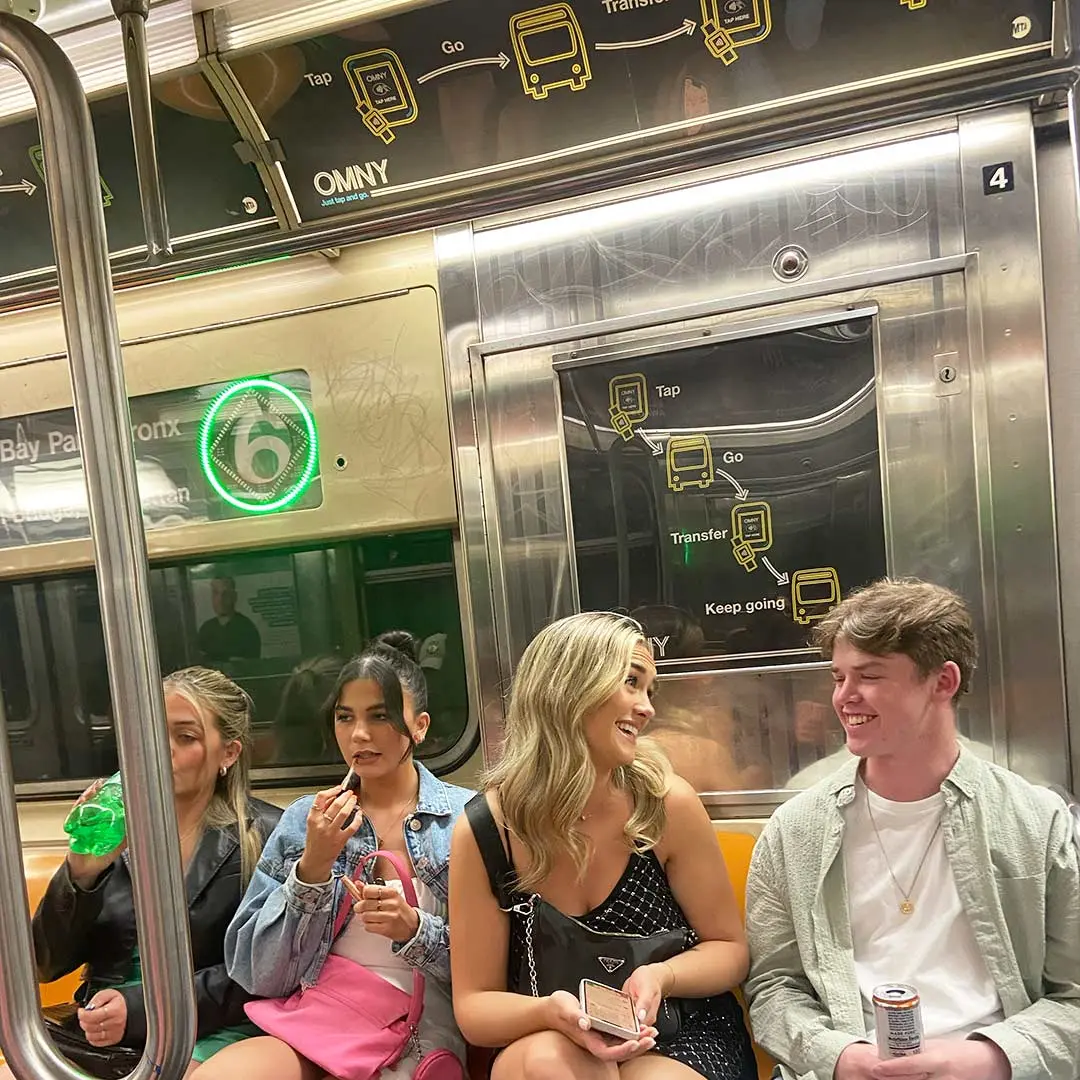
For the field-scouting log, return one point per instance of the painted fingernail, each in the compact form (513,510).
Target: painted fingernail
(583,1024)
(641,1014)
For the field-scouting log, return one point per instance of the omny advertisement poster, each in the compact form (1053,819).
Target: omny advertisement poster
(728,520)
(202,453)
(471,88)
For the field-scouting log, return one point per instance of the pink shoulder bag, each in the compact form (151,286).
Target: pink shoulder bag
(353,1023)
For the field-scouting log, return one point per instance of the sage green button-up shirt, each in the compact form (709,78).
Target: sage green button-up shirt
(1011,849)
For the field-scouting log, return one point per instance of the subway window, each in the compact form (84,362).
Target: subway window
(726,492)
(280,623)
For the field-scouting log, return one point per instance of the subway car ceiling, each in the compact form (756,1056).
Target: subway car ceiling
(709,310)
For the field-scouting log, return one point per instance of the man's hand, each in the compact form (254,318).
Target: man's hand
(949,1059)
(857,1062)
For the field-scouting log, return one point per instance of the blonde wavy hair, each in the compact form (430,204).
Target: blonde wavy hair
(545,774)
(216,698)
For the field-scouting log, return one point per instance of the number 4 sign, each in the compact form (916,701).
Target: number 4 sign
(998,178)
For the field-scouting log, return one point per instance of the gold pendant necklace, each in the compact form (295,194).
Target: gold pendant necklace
(906,905)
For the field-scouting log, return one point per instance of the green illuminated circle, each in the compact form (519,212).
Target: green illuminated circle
(254,465)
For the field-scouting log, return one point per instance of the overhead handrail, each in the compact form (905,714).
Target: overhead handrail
(132,15)
(101,411)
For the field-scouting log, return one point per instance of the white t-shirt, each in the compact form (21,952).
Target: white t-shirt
(933,948)
(375,952)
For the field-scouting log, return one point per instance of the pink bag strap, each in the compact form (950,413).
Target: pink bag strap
(416,1006)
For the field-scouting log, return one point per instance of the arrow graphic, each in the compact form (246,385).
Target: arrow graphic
(652,444)
(25,186)
(687,28)
(781,579)
(740,492)
(502,60)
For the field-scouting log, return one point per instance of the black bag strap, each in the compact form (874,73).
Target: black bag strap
(500,869)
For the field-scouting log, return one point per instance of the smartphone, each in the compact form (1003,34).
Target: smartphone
(351,783)
(610,1011)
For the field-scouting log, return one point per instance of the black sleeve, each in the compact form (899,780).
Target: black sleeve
(219,1003)
(64,923)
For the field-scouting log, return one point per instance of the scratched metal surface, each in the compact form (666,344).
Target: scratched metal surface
(669,246)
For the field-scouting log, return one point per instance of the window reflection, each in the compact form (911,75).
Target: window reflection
(281,624)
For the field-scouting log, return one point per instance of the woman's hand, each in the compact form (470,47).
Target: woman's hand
(384,910)
(327,834)
(104,1019)
(84,870)
(566,1017)
(647,986)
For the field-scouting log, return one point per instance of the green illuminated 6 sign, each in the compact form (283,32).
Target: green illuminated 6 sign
(258,446)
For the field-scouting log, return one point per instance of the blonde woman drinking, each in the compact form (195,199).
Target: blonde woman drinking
(87,915)
(582,814)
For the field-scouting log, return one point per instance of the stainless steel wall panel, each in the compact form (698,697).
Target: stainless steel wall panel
(850,209)
(1061,288)
(1023,650)
(882,222)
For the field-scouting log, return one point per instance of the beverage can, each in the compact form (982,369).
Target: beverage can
(897,1020)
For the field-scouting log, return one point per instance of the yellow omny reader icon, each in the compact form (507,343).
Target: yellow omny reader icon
(629,397)
(384,96)
(730,25)
(814,593)
(751,532)
(689,462)
(913,5)
(550,49)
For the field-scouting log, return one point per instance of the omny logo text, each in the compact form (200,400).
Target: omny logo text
(351,182)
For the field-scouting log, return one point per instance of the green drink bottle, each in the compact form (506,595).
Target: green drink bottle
(96,827)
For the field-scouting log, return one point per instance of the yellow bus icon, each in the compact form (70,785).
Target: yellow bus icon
(550,49)
(689,462)
(814,593)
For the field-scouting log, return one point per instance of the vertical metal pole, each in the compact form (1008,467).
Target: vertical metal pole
(132,15)
(101,411)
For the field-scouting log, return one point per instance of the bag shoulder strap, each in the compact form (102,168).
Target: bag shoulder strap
(500,869)
(416,1005)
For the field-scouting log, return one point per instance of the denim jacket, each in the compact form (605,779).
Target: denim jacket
(283,930)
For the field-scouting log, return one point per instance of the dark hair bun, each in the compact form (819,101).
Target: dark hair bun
(402,641)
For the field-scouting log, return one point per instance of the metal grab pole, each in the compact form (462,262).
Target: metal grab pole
(101,411)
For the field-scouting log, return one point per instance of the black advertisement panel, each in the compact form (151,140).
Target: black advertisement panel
(207,187)
(204,453)
(727,494)
(475,84)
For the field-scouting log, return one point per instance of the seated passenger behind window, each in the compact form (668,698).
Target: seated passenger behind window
(595,823)
(86,916)
(230,634)
(301,733)
(942,870)
(284,929)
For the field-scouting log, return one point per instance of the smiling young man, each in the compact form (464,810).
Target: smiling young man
(916,862)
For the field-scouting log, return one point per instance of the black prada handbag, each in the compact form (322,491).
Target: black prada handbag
(560,950)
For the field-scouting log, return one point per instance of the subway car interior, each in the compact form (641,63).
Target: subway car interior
(459,316)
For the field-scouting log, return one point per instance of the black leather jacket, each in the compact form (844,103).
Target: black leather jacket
(96,927)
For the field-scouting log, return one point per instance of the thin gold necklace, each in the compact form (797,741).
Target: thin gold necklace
(907,905)
(402,814)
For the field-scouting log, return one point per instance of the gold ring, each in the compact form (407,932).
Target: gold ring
(328,817)
(378,903)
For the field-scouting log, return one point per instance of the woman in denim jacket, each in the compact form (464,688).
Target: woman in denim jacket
(284,929)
